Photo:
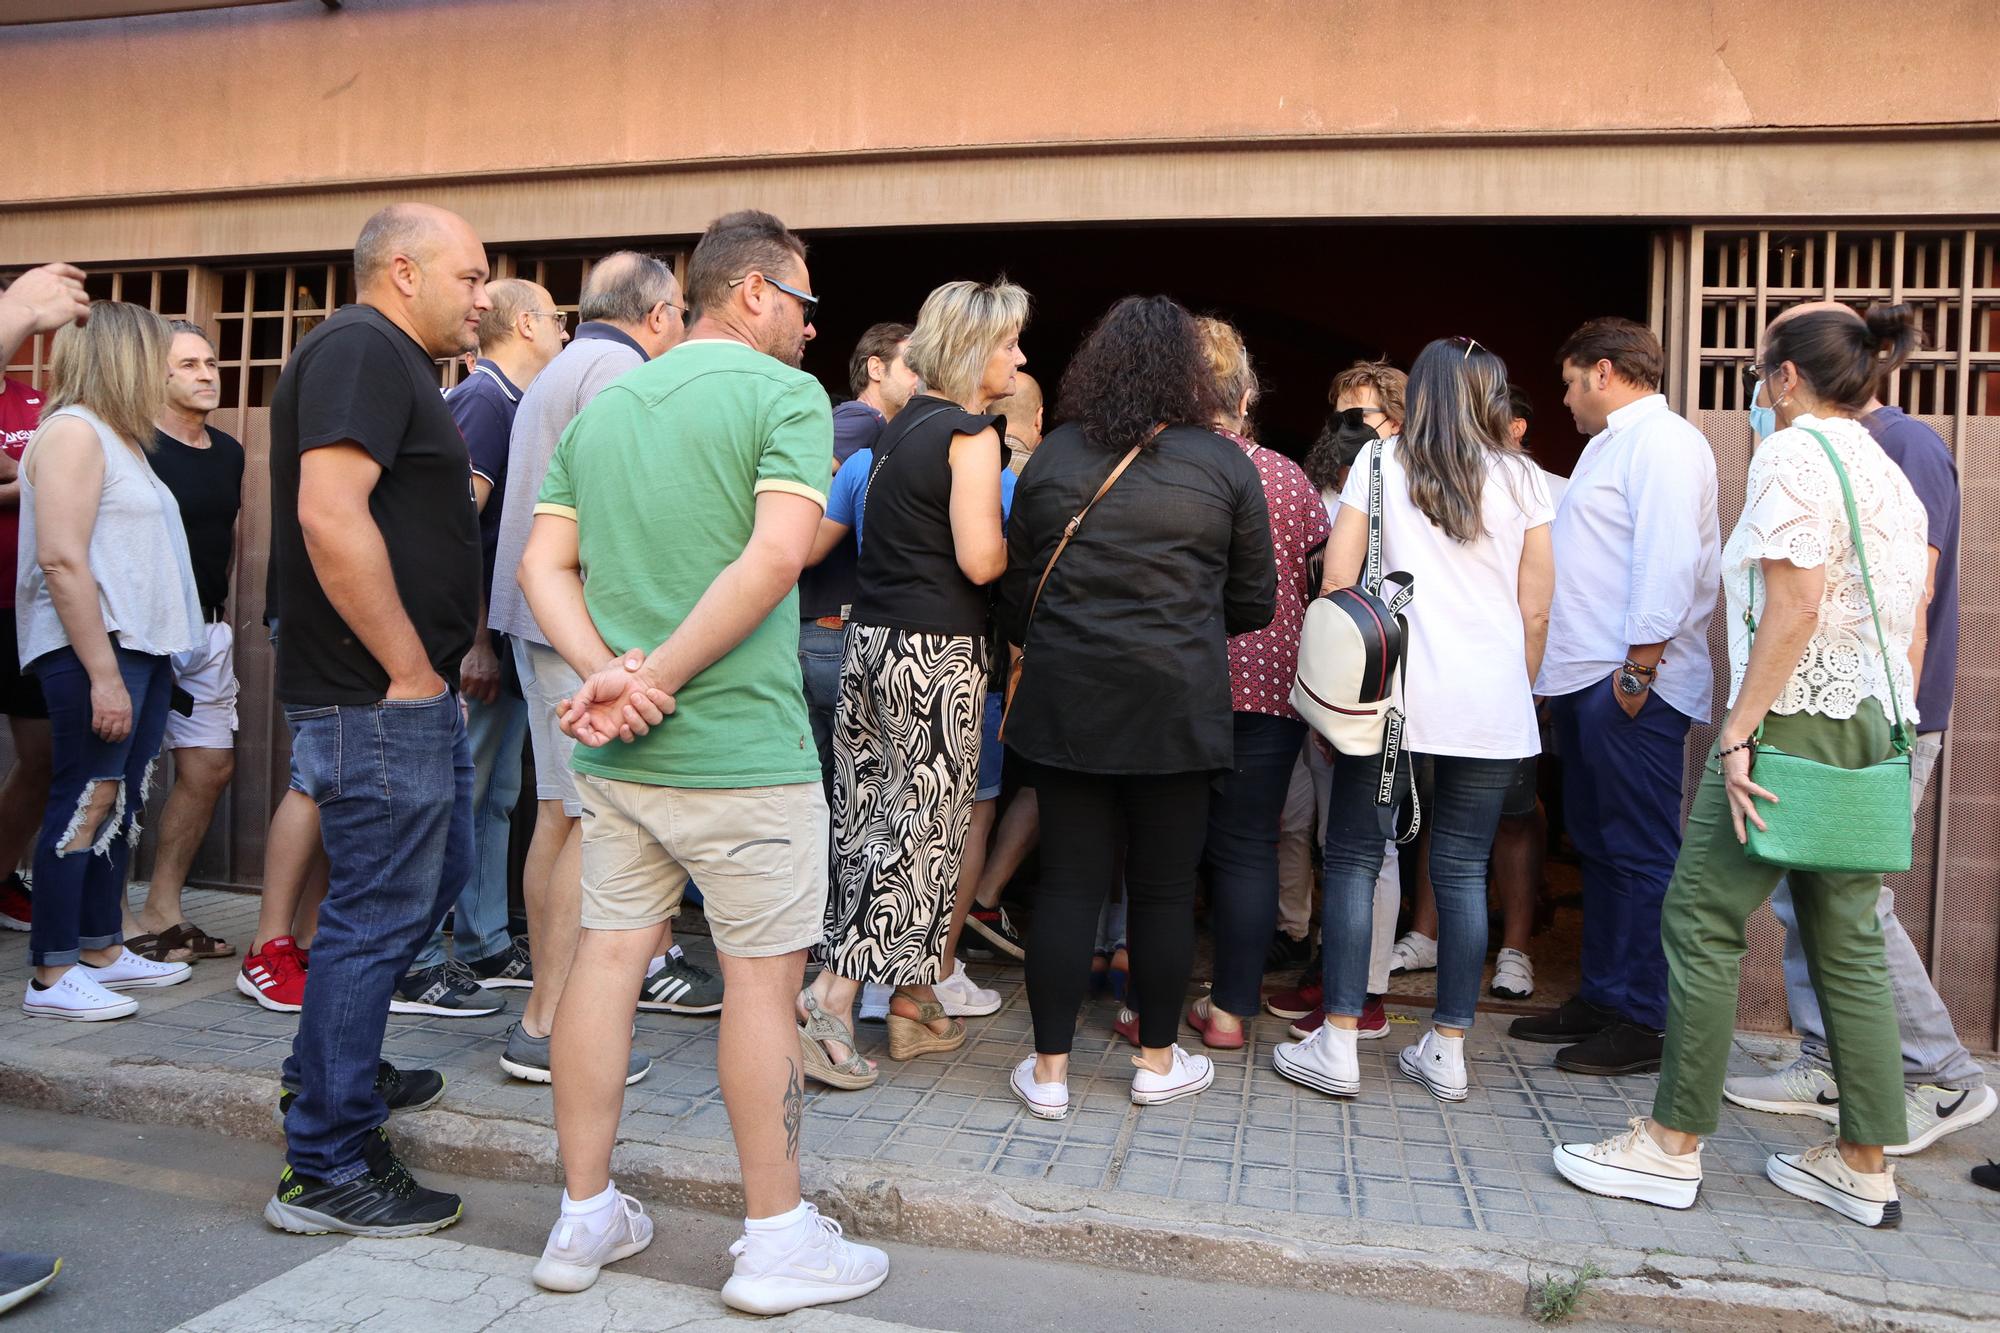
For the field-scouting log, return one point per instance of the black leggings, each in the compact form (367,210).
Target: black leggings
(1160,822)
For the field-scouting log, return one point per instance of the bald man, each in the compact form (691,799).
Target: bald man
(1023,410)
(375,560)
(1945,1089)
(518,337)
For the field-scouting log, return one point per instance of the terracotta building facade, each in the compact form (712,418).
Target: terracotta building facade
(1341,178)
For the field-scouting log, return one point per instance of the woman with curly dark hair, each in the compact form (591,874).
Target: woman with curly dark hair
(1139,542)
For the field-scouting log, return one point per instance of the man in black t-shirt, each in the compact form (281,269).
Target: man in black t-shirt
(204,469)
(375,544)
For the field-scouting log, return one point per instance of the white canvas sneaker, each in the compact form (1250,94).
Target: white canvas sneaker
(1933,1112)
(813,1264)
(1437,1062)
(76,997)
(1049,1101)
(1325,1060)
(962,999)
(575,1252)
(1187,1075)
(131,972)
(1823,1176)
(1632,1166)
(1800,1088)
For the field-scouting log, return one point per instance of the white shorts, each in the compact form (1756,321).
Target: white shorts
(207,672)
(545,680)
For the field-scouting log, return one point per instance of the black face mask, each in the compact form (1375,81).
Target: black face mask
(1351,436)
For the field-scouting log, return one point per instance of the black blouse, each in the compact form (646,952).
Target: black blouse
(909,574)
(1127,666)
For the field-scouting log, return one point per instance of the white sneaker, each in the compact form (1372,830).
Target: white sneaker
(1934,1112)
(1513,975)
(1821,1175)
(1632,1166)
(1187,1075)
(76,997)
(576,1251)
(1050,1101)
(875,1003)
(962,999)
(1437,1062)
(1325,1060)
(820,1267)
(1414,953)
(131,972)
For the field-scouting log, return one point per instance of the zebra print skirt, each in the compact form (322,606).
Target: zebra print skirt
(905,769)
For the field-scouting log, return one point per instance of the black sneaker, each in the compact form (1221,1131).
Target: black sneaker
(997,929)
(1576,1020)
(384,1201)
(510,969)
(403,1089)
(682,987)
(1622,1048)
(22,1275)
(1286,952)
(448,990)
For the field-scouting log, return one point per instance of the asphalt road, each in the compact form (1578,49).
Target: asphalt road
(157,1225)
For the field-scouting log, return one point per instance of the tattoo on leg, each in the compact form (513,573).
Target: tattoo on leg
(795,1109)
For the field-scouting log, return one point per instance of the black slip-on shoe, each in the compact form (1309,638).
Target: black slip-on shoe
(1622,1048)
(1576,1020)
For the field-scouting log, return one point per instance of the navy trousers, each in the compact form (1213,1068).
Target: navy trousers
(1622,780)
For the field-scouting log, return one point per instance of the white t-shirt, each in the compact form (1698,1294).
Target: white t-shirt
(1466,690)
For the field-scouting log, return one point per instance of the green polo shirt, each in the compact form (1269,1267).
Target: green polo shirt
(661,474)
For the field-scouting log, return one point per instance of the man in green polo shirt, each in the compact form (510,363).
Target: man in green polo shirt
(667,543)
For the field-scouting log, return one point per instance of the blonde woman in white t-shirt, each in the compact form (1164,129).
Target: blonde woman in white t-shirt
(1467,516)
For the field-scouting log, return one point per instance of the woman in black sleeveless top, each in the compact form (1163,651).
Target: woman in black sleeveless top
(912,685)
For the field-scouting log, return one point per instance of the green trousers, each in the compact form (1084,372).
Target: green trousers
(1717,888)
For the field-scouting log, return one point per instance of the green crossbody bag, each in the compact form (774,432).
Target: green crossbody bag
(1831,818)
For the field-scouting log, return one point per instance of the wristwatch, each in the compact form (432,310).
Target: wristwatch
(1634,680)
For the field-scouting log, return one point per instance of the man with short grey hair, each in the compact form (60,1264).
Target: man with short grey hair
(631,311)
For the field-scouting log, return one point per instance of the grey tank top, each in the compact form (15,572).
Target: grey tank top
(138,555)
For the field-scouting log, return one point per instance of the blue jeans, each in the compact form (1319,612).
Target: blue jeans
(1241,859)
(393,782)
(820,652)
(1462,810)
(495,732)
(79,895)
(1622,781)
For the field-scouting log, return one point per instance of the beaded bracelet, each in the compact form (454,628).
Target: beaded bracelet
(1732,749)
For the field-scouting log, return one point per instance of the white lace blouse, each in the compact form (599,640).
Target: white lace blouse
(1793,510)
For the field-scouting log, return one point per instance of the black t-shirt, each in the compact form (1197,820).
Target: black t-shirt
(359,378)
(208,483)
(910,579)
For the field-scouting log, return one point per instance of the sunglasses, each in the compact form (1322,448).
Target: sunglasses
(1753,375)
(1354,418)
(807,301)
(1470,343)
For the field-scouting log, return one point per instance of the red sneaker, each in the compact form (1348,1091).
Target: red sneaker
(1127,1025)
(1298,1002)
(1374,1022)
(17,910)
(275,976)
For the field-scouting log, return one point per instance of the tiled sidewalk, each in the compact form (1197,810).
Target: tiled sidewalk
(1393,1155)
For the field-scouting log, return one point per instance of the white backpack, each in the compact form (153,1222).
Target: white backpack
(1351,653)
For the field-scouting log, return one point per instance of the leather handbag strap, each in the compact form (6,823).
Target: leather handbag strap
(1898,736)
(1069,529)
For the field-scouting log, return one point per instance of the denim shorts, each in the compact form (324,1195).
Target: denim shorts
(992,755)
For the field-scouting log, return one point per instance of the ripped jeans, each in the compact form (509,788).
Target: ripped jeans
(79,894)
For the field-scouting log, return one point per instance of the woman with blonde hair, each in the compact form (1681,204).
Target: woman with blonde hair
(913,683)
(104,600)
(1244,813)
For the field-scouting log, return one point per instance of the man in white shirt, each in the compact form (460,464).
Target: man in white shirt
(1638,559)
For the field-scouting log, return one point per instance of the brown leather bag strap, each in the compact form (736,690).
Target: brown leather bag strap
(1069,529)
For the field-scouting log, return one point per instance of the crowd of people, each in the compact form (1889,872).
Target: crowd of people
(789,656)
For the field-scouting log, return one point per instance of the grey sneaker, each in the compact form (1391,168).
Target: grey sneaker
(510,969)
(448,990)
(1800,1088)
(527,1058)
(682,987)
(1933,1112)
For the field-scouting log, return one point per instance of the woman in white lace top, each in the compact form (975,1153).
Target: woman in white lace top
(1821,685)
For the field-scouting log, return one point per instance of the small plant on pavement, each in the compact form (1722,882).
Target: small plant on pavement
(1553,1299)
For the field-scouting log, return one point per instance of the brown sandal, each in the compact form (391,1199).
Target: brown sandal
(155,949)
(197,941)
(912,1037)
